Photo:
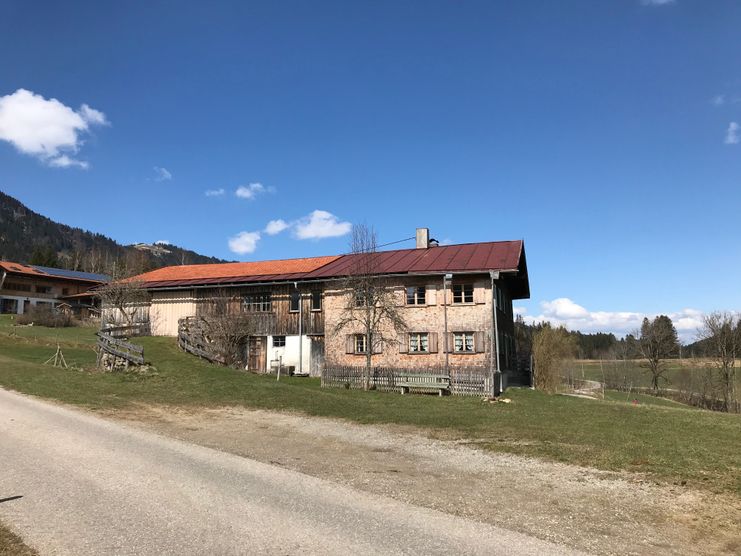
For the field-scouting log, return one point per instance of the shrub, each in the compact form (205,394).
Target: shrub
(45,315)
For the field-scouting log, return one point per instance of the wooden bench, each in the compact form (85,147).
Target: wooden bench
(421,381)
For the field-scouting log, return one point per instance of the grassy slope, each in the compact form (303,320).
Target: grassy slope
(671,442)
(12,545)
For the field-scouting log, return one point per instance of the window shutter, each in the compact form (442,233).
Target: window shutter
(432,342)
(479,293)
(350,343)
(449,347)
(431,294)
(404,343)
(479,342)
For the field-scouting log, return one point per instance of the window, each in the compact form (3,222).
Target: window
(359,343)
(416,295)
(362,296)
(43,289)
(258,303)
(419,342)
(316,300)
(462,293)
(17,287)
(65,291)
(463,342)
(295,300)
(279,341)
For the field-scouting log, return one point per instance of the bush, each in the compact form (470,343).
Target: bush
(44,315)
(552,347)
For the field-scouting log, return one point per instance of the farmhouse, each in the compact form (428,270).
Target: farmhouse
(456,301)
(24,286)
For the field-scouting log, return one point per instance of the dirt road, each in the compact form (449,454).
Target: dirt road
(85,485)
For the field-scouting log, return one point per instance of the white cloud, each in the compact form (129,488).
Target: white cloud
(564,311)
(162,174)
(46,129)
(215,192)
(656,2)
(63,161)
(244,242)
(250,191)
(718,100)
(276,226)
(162,242)
(320,224)
(732,135)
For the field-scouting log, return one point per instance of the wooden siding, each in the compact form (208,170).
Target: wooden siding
(280,320)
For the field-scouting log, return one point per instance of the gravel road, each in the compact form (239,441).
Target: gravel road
(91,486)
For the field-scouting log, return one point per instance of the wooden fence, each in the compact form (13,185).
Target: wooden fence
(192,338)
(473,381)
(114,351)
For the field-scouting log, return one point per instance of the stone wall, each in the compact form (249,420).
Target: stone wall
(471,317)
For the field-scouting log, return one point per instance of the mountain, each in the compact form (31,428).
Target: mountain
(29,237)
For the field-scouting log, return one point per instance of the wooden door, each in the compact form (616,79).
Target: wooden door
(257,353)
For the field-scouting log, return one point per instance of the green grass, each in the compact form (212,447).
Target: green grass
(659,437)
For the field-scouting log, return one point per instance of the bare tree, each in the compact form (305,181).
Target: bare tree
(371,303)
(123,300)
(721,332)
(657,341)
(552,348)
(226,326)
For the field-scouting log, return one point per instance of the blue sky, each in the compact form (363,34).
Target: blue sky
(603,133)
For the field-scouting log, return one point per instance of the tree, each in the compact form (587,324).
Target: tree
(552,347)
(657,341)
(226,326)
(721,332)
(45,256)
(124,299)
(371,304)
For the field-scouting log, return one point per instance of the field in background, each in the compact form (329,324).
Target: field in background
(632,373)
(664,439)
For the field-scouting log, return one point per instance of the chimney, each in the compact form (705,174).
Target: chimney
(423,238)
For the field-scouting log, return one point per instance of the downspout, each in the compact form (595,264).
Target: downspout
(446,278)
(494,337)
(300,331)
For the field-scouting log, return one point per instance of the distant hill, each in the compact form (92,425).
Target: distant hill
(28,237)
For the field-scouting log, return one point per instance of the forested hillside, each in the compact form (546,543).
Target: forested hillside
(28,237)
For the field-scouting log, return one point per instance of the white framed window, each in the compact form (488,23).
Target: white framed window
(316,300)
(462,293)
(295,301)
(419,342)
(279,341)
(463,342)
(360,343)
(416,295)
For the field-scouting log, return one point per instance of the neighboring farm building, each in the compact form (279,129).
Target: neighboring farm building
(24,286)
(298,303)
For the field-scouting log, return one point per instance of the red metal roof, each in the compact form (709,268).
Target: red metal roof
(471,257)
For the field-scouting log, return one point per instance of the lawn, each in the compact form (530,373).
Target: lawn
(664,439)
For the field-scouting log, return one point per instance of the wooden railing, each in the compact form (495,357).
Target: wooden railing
(473,381)
(118,348)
